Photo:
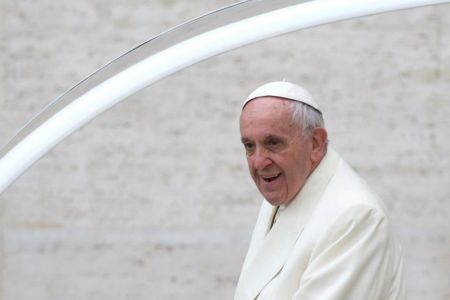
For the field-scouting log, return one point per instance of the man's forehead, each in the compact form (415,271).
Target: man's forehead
(268,115)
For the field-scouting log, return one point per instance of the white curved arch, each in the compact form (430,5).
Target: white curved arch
(22,153)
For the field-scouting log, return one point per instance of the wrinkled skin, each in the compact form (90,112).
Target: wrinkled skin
(279,157)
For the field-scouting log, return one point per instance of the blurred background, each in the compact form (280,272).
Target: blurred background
(152,200)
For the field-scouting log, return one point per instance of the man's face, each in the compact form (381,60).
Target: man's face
(278,156)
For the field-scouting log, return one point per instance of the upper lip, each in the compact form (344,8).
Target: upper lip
(268,176)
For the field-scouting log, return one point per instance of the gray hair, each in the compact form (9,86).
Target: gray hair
(307,117)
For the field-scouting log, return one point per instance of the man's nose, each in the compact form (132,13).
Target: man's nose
(261,160)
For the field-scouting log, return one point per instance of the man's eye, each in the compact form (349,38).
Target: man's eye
(248,146)
(273,143)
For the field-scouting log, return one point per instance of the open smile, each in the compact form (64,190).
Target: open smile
(270,178)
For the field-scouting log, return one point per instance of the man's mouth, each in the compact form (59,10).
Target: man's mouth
(270,178)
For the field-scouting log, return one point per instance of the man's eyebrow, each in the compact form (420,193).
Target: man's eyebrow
(244,140)
(274,137)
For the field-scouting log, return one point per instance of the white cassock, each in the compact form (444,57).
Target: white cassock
(332,242)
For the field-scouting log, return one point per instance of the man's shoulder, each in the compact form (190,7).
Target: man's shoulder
(346,198)
(347,190)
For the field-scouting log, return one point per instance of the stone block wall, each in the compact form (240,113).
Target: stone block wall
(152,200)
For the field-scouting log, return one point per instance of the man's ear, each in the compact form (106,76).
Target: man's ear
(319,144)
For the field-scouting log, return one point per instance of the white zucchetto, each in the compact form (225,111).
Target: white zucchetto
(285,90)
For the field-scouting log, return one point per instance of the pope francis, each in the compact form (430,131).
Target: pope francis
(321,232)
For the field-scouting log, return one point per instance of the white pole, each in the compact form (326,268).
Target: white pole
(186,53)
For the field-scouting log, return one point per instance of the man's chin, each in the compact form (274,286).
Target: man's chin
(274,200)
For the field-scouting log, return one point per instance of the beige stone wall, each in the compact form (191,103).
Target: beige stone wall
(152,199)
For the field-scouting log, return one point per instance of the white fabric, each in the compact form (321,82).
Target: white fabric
(332,242)
(283,89)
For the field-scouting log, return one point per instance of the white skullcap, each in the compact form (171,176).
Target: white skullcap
(283,89)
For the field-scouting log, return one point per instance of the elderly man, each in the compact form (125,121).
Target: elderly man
(321,233)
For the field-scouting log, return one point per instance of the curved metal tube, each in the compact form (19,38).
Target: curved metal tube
(221,31)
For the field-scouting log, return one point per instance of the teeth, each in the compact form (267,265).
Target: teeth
(270,177)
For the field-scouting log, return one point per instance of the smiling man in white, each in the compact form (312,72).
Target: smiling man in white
(321,233)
